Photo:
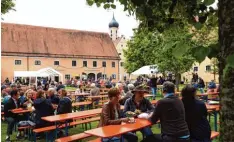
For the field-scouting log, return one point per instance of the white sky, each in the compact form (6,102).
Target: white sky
(71,14)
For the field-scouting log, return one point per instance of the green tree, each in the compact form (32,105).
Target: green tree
(148,48)
(159,14)
(214,67)
(6,6)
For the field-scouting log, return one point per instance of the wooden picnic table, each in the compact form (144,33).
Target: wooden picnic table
(95,97)
(21,110)
(107,131)
(81,103)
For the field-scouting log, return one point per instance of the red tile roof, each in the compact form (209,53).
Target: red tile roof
(26,40)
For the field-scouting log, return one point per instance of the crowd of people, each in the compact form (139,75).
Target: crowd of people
(181,120)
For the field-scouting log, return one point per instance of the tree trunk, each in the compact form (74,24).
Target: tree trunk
(226,40)
(177,81)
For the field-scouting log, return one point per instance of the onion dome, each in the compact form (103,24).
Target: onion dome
(113,23)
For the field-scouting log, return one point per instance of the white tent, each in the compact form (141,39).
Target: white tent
(147,70)
(45,72)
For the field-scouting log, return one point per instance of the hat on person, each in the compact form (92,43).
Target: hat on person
(141,88)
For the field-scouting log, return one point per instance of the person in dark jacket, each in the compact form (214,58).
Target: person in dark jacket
(52,97)
(153,85)
(170,111)
(60,86)
(10,117)
(43,108)
(196,115)
(201,85)
(65,103)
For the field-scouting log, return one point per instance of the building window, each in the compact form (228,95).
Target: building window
(94,63)
(67,76)
(119,53)
(111,35)
(56,63)
(74,63)
(104,76)
(113,76)
(37,62)
(113,64)
(121,45)
(103,64)
(121,64)
(85,63)
(195,69)
(111,31)
(116,31)
(208,68)
(17,62)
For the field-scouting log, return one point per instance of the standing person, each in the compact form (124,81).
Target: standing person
(201,85)
(153,85)
(170,111)
(138,103)
(10,117)
(195,115)
(111,115)
(95,91)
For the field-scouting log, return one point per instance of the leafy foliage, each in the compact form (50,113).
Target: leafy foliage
(6,6)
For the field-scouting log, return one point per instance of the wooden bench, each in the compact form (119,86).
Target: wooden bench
(74,123)
(214,135)
(75,137)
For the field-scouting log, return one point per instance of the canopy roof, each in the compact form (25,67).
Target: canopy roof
(150,69)
(46,72)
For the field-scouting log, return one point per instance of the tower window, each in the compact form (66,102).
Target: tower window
(111,31)
(195,69)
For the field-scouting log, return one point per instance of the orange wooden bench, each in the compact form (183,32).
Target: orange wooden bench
(75,137)
(49,128)
(214,135)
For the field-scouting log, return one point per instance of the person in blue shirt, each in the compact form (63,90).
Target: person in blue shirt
(52,97)
(195,115)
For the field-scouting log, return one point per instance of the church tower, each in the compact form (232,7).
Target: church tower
(113,28)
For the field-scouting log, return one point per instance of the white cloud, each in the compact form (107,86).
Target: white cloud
(71,14)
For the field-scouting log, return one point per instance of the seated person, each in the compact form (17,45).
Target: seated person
(28,101)
(22,97)
(43,108)
(95,91)
(139,103)
(170,111)
(111,115)
(195,115)
(10,117)
(52,97)
(128,95)
(65,103)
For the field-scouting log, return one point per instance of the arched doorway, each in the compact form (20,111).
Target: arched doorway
(84,76)
(99,75)
(91,76)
